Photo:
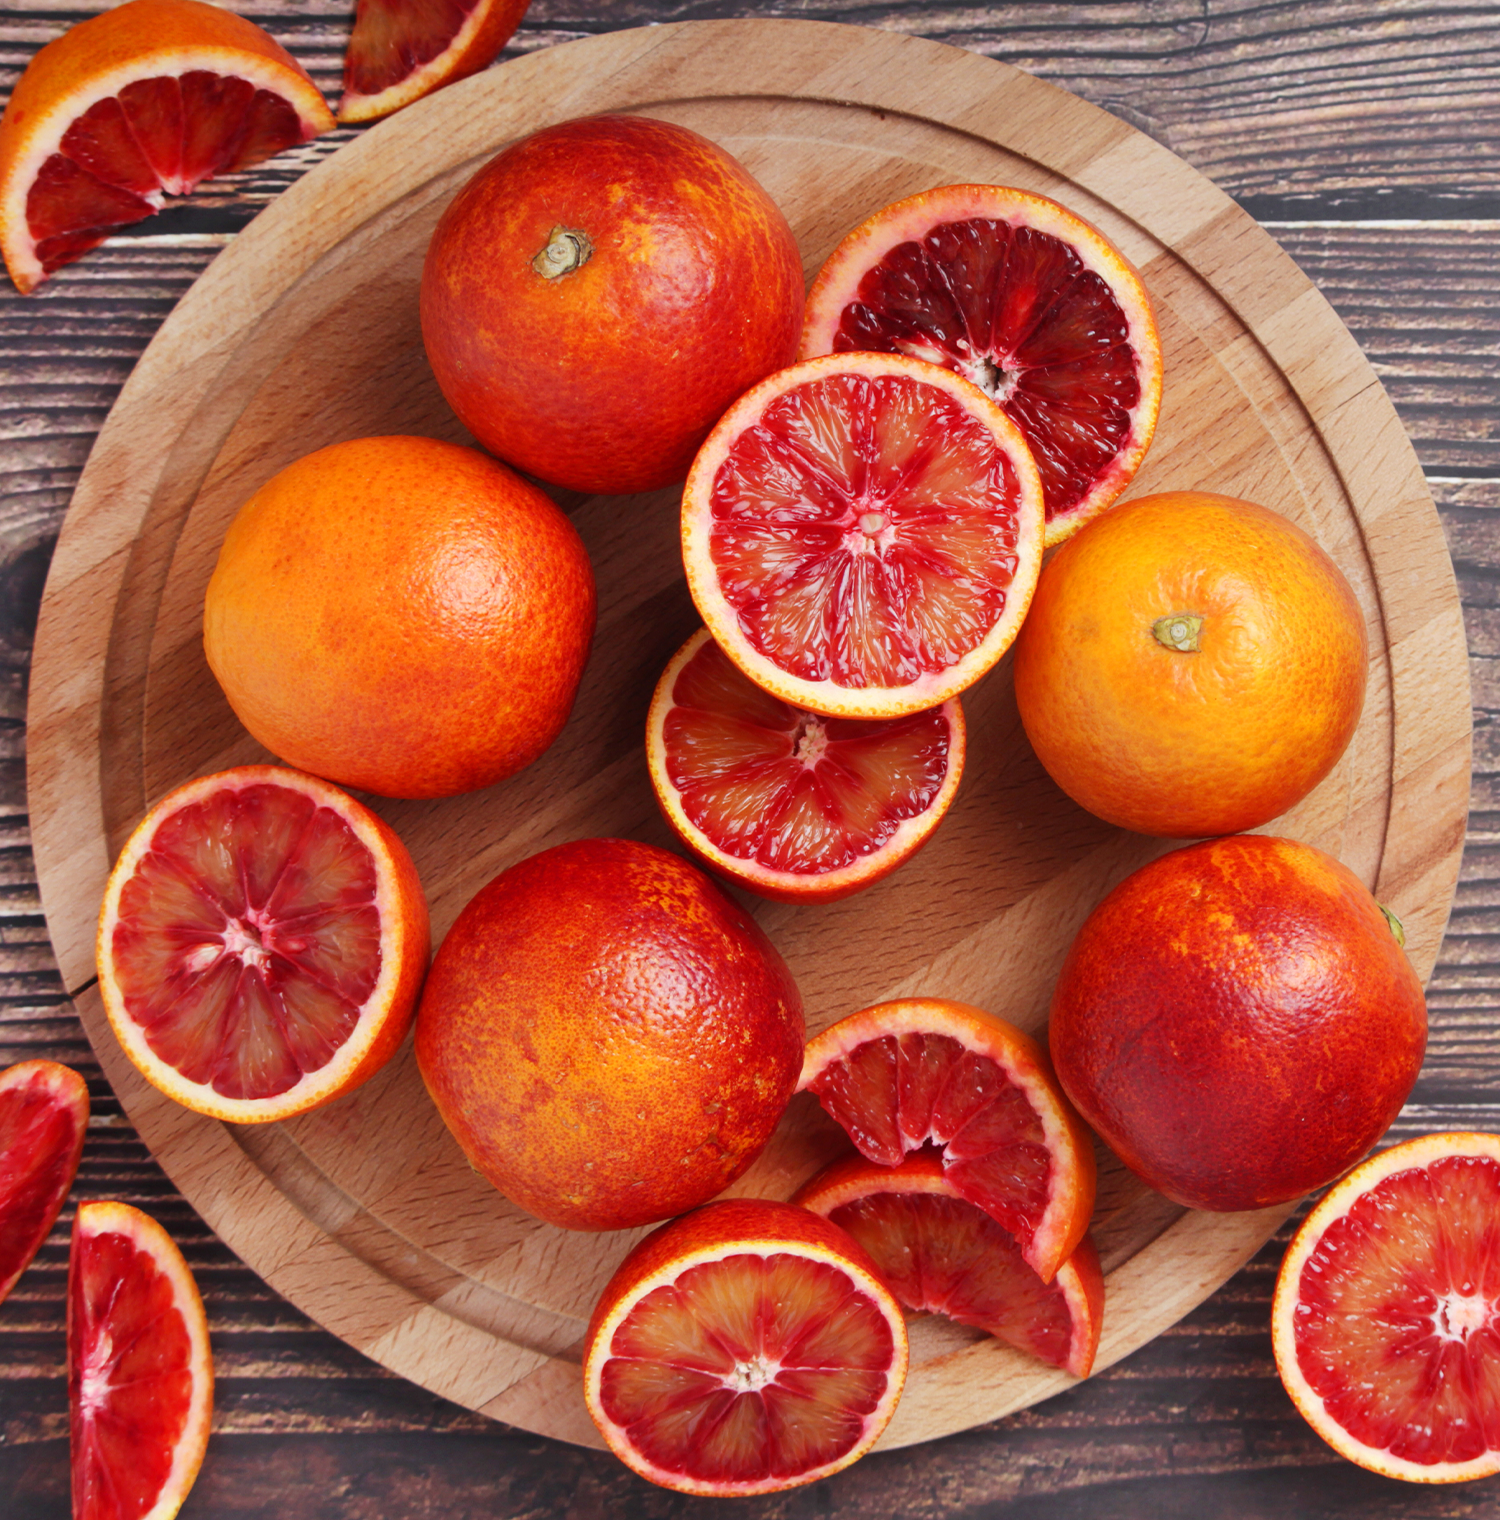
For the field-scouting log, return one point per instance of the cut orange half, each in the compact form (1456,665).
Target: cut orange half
(136,104)
(401,50)
(1386,1319)
(745,1348)
(261,944)
(44,1114)
(862,534)
(940,1254)
(1027,300)
(927,1071)
(790,804)
(140,1375)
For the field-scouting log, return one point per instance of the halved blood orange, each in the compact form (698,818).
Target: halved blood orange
(862,534)
(927,1071)
(744,1348)
(401,50)
(140,1374)
(940,1254)
(261,944)
(790,804)
(1026,299)
(131,106)
(44,1114)
(1386,1319)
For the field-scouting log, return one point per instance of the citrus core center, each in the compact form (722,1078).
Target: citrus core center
(1460,1314)
(752,1376)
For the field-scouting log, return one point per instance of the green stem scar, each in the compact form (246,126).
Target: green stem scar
(566,250)
(1179,631)
(1395,924)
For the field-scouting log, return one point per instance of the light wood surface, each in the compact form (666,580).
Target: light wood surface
(363,1214)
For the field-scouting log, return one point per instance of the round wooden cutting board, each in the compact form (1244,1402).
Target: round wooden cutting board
(305,332)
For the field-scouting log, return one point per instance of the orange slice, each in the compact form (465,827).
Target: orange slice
(140,1376)
(44,1113)
(941,1254)
(261,944)
(790,804)
(862,534)
(136,104)
(745,1348)
(401,50)
(1386,1319)
(1030,302)
(926,1071)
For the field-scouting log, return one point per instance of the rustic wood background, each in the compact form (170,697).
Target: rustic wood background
(1365,135)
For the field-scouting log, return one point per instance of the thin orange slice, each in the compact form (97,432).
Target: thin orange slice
(136,104)
(941,1254)
(44,1114)
(927,1071)
(1030,302)
(401,50)
(790,804)
(140,1375)
(261,944)
(745,1348)
(1386,1319)
(862,534)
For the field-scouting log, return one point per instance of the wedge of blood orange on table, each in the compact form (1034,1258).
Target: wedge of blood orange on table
(261,944)
(920,1072)
(1386,1319)
(1026,299)
(862,534)
(136,104)
(941,1254)
(44,1114)
(744,1348)
(140,1374)
(787,803)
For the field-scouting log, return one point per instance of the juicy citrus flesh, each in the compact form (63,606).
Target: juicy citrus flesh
(1397,1317)
(865,530)
(248,939)
(392,39)
(789,790)
(44,1110)
(749,1372)
(140,1378)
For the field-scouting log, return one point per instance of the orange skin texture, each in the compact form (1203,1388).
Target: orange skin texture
(1179,744)
(1238,1022)
(609,1038)
(607,378)
(401,615)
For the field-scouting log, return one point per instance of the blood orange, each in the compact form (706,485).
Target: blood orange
(140,1375)
(941,1254)
(401,50)
(926,1071)
(136,104)
(1030,302)
(792,805)
(1386,1320)
(44,1113)
(261,944)
(744,1348)
(862,534)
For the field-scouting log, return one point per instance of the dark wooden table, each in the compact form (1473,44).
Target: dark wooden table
(1365,135)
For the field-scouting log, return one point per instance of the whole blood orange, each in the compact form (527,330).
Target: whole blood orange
(1238,1022)
(608,1037)
(1026,299)
(1386,1320)
(791,805)
(401,615)
(599,292)
(746,1348)
(1192,664)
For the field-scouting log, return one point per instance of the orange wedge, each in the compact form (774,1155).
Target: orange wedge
(134,105)
(401,50)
